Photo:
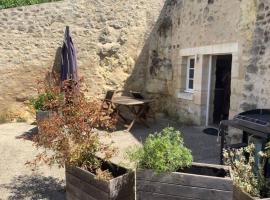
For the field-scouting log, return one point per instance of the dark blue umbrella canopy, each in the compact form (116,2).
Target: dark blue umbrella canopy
(69,68)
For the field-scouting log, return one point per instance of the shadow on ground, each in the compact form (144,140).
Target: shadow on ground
(140,132)
(35,187)
(205,148)
(29,135)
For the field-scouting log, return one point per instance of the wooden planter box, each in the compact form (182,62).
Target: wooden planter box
(83,185)
(201,181)
(238,194)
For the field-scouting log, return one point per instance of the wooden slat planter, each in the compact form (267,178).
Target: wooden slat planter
(238,194)
(201,181)
(83,185)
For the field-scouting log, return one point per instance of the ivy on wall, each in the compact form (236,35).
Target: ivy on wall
(16,3)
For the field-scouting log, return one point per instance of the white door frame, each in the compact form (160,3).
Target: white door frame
(210,68)
(214,50)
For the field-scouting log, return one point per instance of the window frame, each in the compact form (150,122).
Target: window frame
(190,90)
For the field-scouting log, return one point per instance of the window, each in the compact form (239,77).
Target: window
(190,74)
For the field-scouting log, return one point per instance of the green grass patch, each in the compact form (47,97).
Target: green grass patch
(3,119)
(21,120)
(16,3)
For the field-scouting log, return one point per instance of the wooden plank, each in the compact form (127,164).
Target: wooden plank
(123,187)
(183,191)
(157,196)
(88,177)
(211,166)
(90,189)
(70,196)
(208,170)
(124,100)
(240,195)
(186,180)
(75,193)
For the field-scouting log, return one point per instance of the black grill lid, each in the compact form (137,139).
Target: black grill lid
(258,119)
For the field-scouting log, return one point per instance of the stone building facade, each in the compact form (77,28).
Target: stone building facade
(210,58)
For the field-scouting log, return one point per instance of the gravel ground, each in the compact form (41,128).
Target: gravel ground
(19,182)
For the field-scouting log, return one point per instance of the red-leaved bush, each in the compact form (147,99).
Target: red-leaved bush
(69,136)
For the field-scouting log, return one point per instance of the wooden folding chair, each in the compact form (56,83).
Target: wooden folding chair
(108,105)
(107,101)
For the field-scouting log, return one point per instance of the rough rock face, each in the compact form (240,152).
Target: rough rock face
(256,89)
(109,36)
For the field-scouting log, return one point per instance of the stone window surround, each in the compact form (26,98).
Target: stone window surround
(198,52)
(226,48)
(202,53)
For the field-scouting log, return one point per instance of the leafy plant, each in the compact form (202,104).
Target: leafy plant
(41,102)
(49,94)
(162,152)
(264,183)
(16,3)
(21,120)
(242,169)
(245,176)
(69,135)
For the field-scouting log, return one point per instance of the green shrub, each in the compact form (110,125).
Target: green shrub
(4,119)
(21,120)
(162,152)
(44,102)
(15,3)
(39,103)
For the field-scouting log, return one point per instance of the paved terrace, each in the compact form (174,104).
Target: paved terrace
(18,181)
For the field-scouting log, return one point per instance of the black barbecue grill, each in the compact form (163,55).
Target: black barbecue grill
(253,123)
(255,119)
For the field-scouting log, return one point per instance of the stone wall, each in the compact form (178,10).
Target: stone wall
(109,36)
(196,24)
(257,78)
(137,45)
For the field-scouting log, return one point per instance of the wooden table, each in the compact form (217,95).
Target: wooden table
(137,107)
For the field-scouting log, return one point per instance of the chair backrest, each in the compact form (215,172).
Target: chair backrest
(109,95)
(137,95)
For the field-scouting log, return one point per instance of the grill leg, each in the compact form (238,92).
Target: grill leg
(222,144)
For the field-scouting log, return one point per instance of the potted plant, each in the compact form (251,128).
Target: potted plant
(49,98)
(165,171)
(41,105)
(69,138)
(248,177)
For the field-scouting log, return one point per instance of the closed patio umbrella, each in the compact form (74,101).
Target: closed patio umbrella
(69,68)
